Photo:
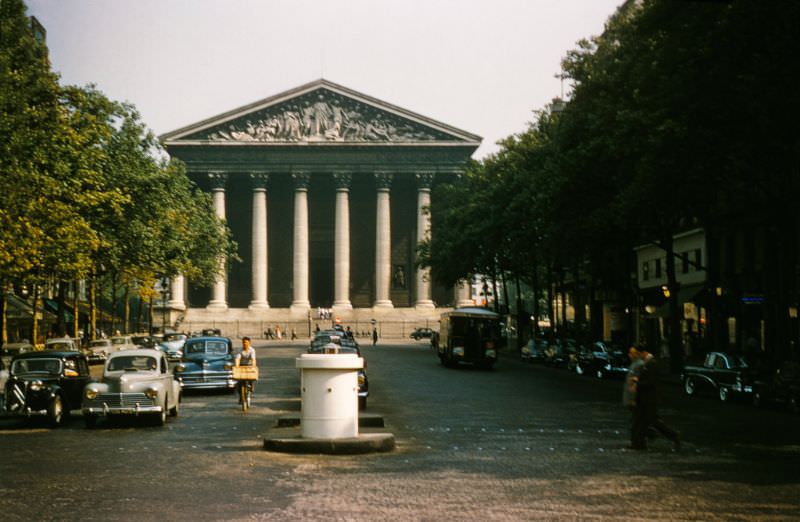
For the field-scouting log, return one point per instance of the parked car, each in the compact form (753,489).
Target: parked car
(207,363)
(781,386)
(722,373)
(143,340)
(601,360)
(534,350)
(48,383)
(3,381)
(98,350)
(11,350)
(321,343)
(135,382)
(172,345)
(421,333)
(62,344)
(122,342)
(560,353)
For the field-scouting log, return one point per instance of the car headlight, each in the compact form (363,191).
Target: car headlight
(35,385)
(458,350)
(361,380)
(491,353)
(151,392)
(90,394)
(179,368)
(228,366)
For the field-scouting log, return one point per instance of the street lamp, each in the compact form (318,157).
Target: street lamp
(164,296)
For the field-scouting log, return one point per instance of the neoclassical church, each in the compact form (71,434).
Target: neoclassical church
(323,188)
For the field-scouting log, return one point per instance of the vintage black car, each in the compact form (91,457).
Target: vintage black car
(48,383)
(601,360)
(207,363)
(333,341)
(562,353)
(421,333)
(722,373)
(780,386)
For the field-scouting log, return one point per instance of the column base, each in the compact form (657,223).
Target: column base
(176,305)
(219,306)
(384,303)
(426,304)
(343,305)
(300,307)
(259,305)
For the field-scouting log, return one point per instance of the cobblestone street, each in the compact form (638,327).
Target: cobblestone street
(522,442)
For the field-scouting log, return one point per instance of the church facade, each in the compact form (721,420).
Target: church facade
(324,189)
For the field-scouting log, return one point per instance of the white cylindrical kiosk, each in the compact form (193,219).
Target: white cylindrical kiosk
(329,392)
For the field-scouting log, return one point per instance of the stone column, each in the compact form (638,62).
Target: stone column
(259,241)
(218,297)
(383,241)
(176,293)
(424,182)
(341,246)
(300,265)
(463,294)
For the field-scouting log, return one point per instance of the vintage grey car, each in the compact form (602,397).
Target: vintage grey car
(135,382)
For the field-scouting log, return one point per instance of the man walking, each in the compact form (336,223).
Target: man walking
(645,410)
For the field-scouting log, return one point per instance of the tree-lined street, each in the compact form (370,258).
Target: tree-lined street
(521,442)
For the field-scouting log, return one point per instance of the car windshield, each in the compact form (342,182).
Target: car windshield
(119,340)
(737,361)
(173,337)
(209,347)
(98,343)
(132,363)
(48,366)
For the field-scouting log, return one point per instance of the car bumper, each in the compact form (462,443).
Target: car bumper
(206,382)
(120,404)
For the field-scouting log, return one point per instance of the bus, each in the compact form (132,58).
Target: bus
(468,335)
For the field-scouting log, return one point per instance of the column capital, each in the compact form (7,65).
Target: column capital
(218,179)
(259,179)
(301,179)
(342,179)
(383,180)
(425,179)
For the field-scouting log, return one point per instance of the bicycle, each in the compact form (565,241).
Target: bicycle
(246,377)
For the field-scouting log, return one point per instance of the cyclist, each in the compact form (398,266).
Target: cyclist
(247,357)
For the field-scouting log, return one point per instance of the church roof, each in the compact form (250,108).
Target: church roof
(321,113)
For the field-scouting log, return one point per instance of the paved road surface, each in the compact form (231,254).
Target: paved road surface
(523,442)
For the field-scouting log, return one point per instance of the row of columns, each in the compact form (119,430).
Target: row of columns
(300,300)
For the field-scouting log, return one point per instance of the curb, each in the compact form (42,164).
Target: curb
(364,443)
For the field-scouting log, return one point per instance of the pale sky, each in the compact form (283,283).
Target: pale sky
(481,66)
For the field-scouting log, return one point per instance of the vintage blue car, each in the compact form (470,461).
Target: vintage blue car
(207,363)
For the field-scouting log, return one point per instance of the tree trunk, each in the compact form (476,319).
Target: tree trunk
(127,313)
(536,294)
(563,292)
(76,311)
(550,298)
(4,338)
(61,322)
(675,310)
(92,306)
(35,326)
(150,315)
(113,328)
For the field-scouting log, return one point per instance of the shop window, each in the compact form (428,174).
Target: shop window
(658,268)
(698,259)
(646,271)
(685,262)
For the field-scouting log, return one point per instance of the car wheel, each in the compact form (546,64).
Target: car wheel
(55,412)
(90,420)
(161,417)
(689,386)
(175,410)
(723,393)
(362,403)
(579,369)
(600,374)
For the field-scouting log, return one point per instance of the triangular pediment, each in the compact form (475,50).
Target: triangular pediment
(319,112)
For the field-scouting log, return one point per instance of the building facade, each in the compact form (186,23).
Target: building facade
(325,191)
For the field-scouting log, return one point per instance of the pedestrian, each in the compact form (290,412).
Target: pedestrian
(645,410)
(374,336)
(294,334)
(278,332)
(348,333)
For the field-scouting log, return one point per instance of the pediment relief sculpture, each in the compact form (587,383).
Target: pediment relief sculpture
(323,116)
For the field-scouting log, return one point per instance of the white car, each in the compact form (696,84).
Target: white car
(61,344)
(99,349)
(122,342)
(135,382)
